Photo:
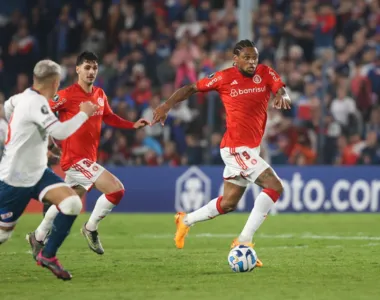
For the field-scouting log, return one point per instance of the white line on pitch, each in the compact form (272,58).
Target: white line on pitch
(268,236)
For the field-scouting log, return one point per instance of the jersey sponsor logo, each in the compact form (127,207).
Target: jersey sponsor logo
(213,81)
(256,79)
(55,98)
(99,112)
(193,190)
(235,93)
(44,110)
(101,101)
(211,75)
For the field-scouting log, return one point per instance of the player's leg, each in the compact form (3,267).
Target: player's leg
(13,201)
(112,192)
(232,193)
(272,190)
(42,231)
(51,188)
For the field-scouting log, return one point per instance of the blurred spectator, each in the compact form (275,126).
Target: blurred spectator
(327,52)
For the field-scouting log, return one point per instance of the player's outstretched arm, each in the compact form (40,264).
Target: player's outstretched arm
(183,93)
(282,99)
(112,119)
(62,130)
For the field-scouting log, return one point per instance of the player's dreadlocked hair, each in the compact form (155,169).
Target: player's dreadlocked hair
(243,44)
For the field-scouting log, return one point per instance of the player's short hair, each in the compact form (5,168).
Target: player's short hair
(45,69)
(243,44)
(86,55)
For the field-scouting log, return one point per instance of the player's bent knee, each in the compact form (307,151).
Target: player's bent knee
(227,205)
(5,235)
(71,206)
(115,197)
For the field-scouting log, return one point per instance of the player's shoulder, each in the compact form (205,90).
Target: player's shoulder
(68,90)
(263,69)
(223,75)
(99,91)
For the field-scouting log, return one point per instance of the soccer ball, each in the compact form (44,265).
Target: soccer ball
(242,259)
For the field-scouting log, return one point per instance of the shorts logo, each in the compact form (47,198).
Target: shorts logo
(256,79)
(101,101)
(253,161)
(95,168)
(6,216)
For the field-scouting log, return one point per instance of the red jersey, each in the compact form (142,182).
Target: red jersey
(245,100)
(85,141)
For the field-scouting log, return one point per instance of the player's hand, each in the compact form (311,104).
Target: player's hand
(281,102)
(160,114)
(88,107)
(141,123)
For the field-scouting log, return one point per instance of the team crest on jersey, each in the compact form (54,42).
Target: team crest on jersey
(55,98)
(256,79)
(211,75)
(101,101)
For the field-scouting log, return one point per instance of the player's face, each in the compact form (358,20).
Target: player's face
(88,71)
(247,60)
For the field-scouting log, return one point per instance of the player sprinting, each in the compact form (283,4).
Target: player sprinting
(245,91)
(79,152)
(23,170)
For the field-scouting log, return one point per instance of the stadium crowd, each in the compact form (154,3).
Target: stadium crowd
(327,52)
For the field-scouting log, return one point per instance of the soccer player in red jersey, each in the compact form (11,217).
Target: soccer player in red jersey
(245,90)
(80,150)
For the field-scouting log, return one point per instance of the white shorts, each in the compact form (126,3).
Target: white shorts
(243,165)
(84,173)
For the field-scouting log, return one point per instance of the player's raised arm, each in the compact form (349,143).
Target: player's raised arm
(112,119)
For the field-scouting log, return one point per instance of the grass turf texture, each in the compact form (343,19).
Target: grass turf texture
(305,257)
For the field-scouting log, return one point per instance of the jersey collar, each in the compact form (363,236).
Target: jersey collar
(79,87)
(34,90)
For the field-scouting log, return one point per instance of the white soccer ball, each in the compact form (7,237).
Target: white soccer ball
(242,259)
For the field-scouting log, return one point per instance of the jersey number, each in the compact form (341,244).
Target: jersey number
(246,155)
(9,131)
(87,163)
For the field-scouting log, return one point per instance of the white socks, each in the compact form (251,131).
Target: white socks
(263,204)
(46,224)
(207,212)
(102,208)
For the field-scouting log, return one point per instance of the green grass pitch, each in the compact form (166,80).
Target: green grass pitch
(329,257)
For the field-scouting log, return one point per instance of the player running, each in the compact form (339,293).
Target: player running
(23,170)
(245,91)
(79,152)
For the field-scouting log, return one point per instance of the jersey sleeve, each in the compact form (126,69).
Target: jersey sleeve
(41,114)
(274,80)
(59,101)
(111,119)
(213,82)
